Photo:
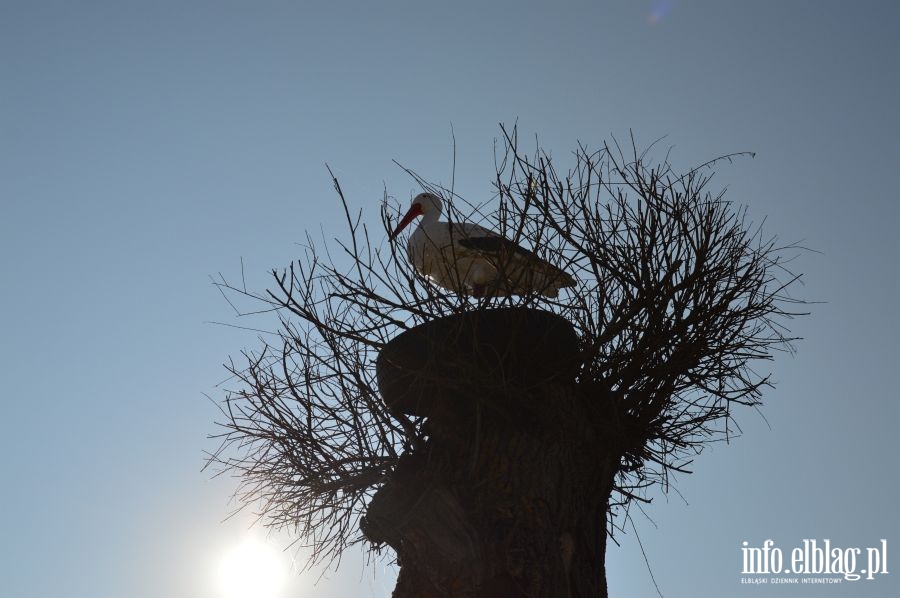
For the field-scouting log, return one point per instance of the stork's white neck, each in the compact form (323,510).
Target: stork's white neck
(430,217)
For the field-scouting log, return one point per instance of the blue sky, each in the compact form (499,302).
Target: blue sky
(147,146)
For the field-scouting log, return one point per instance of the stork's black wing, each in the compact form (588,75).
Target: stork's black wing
(495,245)
(503,249)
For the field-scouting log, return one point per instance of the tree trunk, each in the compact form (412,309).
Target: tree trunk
(508,495)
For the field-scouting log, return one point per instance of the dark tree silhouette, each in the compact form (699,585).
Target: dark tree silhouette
(495,442)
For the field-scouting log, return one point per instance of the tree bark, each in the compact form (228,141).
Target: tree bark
(508,495)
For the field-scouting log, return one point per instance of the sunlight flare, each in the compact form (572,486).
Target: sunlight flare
(252,569)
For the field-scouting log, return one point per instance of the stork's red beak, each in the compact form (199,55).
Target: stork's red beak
(414,211)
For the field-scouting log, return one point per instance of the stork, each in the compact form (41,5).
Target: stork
(465,258)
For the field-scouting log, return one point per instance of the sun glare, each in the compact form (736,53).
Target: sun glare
(251,569)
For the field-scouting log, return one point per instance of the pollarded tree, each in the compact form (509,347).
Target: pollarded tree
(494,441)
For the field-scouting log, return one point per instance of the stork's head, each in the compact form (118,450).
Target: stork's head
(427,205)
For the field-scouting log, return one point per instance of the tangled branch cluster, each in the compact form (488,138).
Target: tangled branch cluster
(678,295)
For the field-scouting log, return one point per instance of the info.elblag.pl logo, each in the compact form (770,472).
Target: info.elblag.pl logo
(814,558)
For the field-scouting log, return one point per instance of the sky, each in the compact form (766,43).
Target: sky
(146,146)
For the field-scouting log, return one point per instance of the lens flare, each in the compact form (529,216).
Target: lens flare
(661,10)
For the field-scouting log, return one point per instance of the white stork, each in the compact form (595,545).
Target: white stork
(468,259)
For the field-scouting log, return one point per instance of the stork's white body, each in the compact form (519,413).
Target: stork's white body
(469,259)
(435,252)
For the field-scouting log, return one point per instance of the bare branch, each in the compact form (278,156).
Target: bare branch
(678,296)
